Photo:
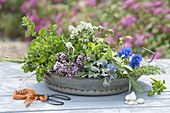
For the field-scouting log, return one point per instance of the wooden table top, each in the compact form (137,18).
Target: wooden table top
(12,77)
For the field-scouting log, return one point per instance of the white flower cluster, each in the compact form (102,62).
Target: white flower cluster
(74,31)
(85,29)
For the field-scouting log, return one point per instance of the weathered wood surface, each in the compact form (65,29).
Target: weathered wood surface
(11,78)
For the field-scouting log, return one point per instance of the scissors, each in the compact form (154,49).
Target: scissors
(51,99)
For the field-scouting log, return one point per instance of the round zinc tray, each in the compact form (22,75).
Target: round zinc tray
(80,86)
(87,86)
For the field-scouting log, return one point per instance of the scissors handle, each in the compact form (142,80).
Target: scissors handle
(54,102)
(52,99)
(62,97)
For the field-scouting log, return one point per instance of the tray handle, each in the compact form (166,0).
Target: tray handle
(153,53)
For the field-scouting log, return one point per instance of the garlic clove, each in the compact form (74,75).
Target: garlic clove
(140,101)
(132,102)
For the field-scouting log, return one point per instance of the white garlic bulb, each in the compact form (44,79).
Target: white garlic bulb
(131,96)
(140,101)
(127,97)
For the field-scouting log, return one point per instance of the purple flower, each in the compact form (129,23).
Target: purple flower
(74,19)
(135,6)
(24,8)
(61,56)
(110,40)
(127,3)
(91,2)
(75,10)
(128,20)
(59,31)
(3,1)
(157,10)
(135,61)
(158,54)
(88,59)
(128,44)
(157,3)
(118,35)
(126,52)
(34,17)
(115,28)
(148,35)
(32,3)
(148,4)
(80,59)
(166,29)
(105,24)
(58,18)
(139,39)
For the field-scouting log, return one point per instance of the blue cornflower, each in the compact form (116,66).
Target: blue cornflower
(112,67)
(135,61)
(126,52)
(120,53)
(103,63)
(137,57)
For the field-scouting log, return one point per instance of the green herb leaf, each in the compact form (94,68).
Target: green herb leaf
(42,31)
(109,53)
(157,86)
(135,85)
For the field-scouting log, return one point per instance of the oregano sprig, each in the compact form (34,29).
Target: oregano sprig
(30,26)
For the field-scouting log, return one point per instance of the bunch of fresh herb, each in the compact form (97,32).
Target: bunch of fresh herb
(157,86)
(42,51)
